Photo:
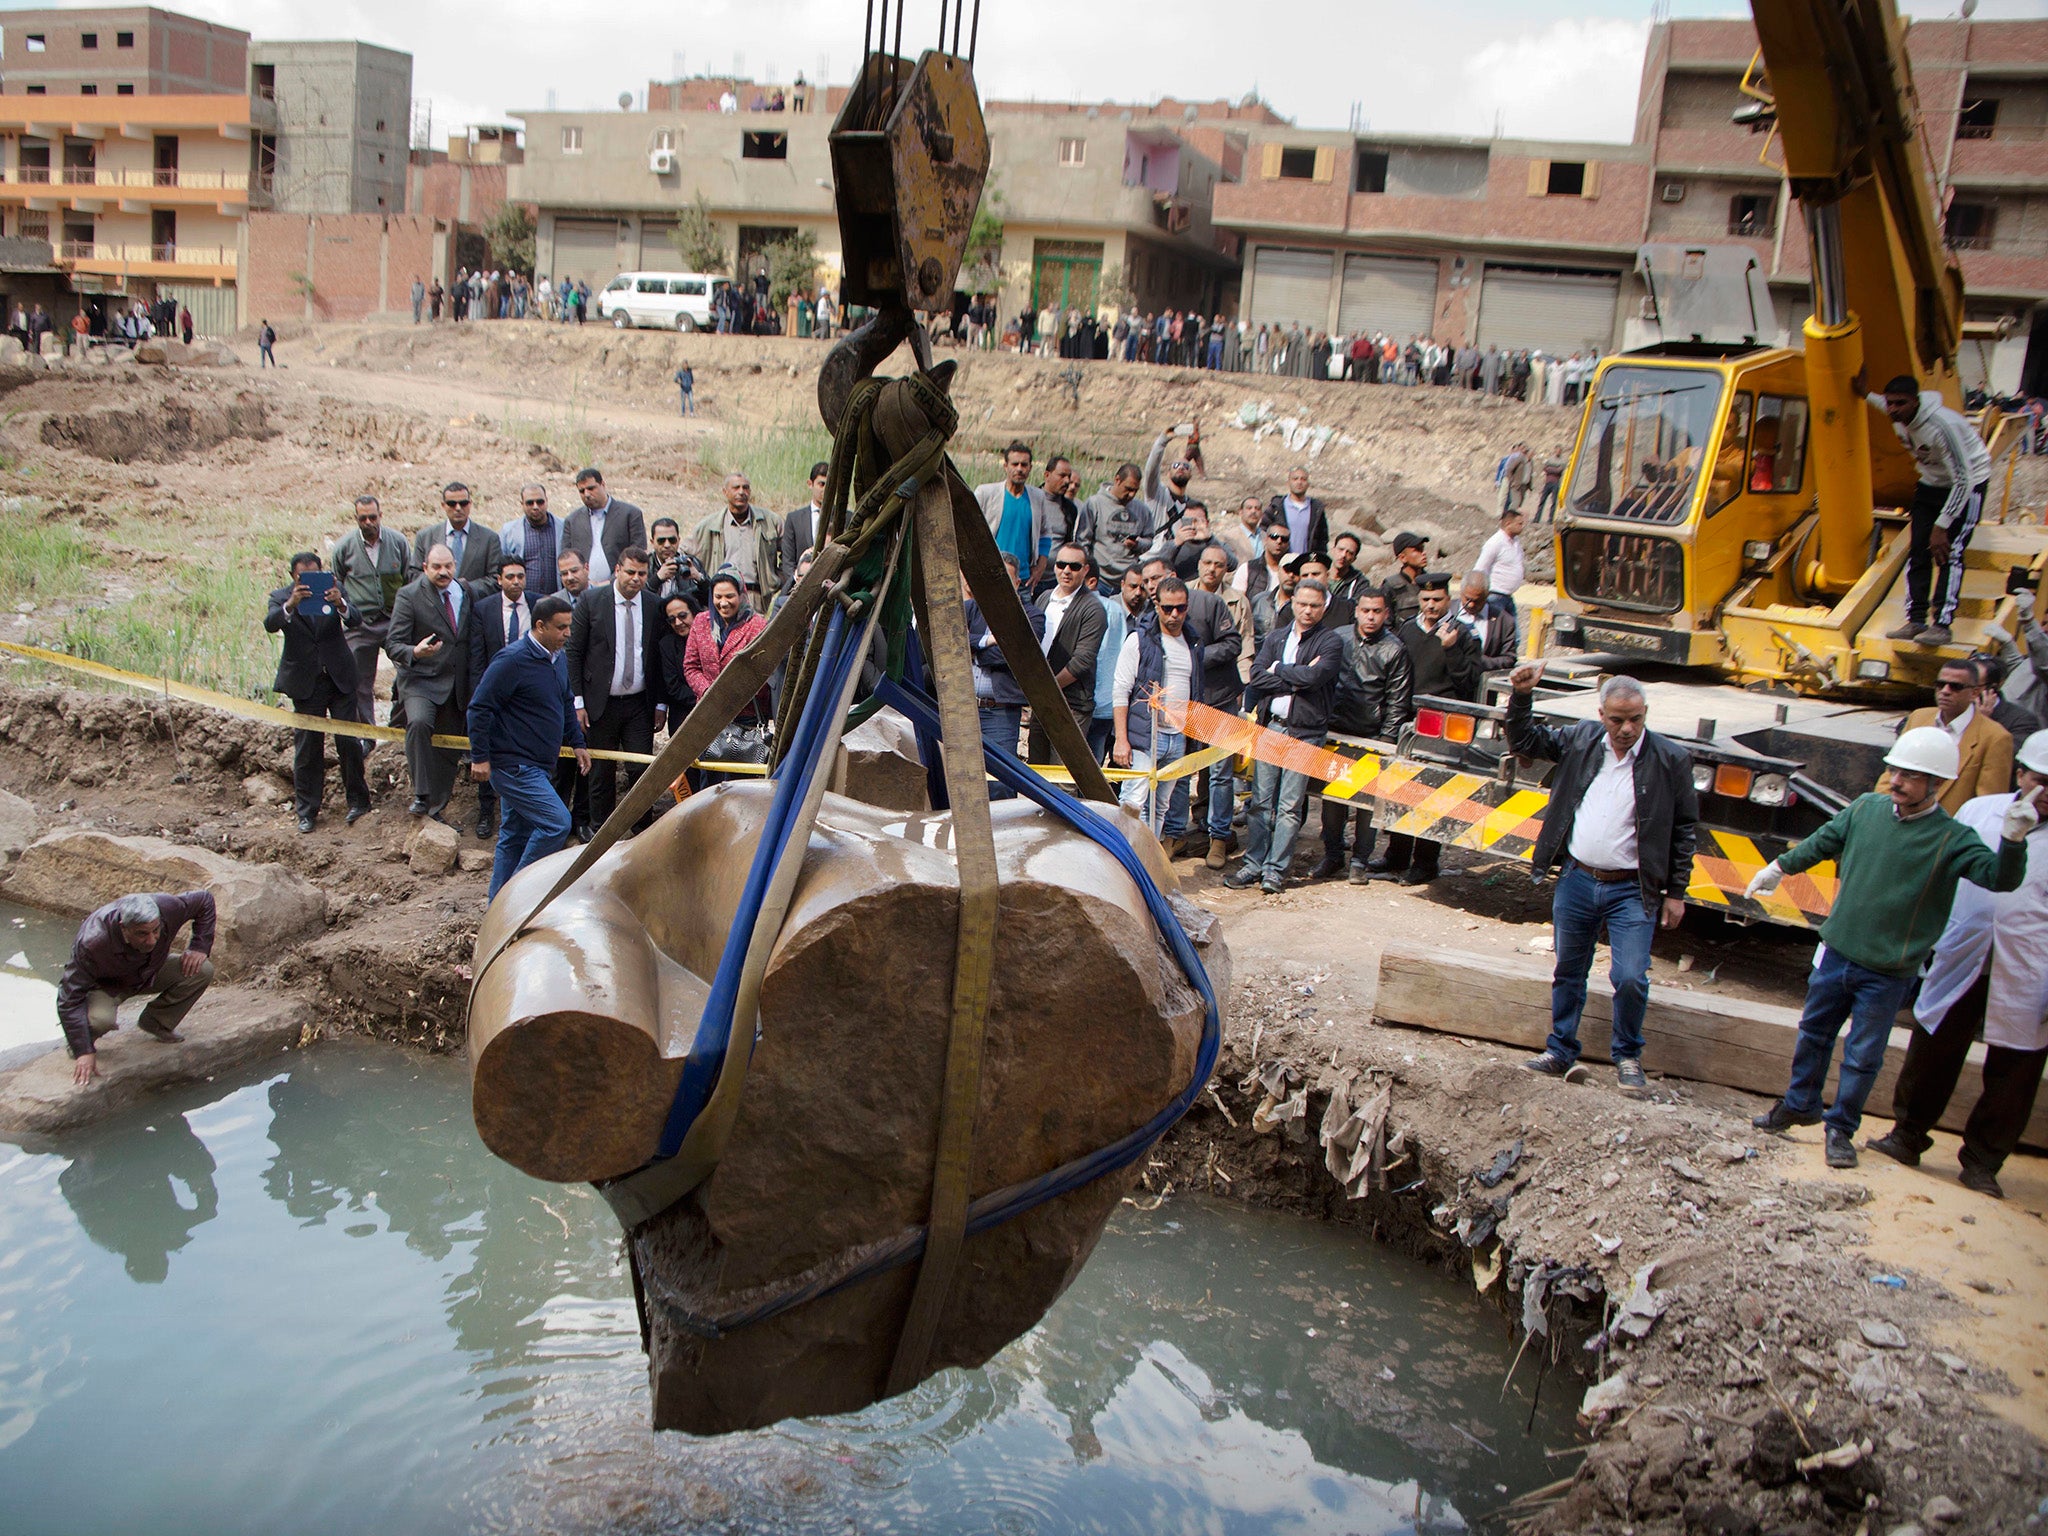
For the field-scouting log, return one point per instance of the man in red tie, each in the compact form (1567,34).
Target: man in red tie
(436,642)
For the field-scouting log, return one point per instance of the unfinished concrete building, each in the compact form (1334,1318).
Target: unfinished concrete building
(343,113)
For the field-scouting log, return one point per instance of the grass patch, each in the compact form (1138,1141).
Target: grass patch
(776,459)
(42,561)
(565,433)
(202,626)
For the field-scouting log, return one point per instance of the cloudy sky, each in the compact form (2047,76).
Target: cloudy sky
(1531,68)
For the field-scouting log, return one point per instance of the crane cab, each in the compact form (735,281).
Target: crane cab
(1687,530)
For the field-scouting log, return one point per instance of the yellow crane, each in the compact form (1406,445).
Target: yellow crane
(1737,506)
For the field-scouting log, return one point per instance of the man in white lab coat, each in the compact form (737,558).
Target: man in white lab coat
(1989,969)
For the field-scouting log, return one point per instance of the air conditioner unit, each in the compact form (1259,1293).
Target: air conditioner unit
(1672,192)
(662,161)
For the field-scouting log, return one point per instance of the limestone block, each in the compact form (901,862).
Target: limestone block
(433,848)
(20,823)
(261,908)
(578,1037)
(475,860)
(878,764)
(262,789)
(226,1028)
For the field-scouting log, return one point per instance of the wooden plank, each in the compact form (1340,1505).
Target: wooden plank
(1693,1035)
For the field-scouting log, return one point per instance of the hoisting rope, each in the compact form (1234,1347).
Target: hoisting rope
(890,447)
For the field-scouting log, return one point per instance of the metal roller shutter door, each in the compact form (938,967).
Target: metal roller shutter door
(1387,294)
(213,308)
(657,252)
(1291,287)
(587,249)
(1560,312)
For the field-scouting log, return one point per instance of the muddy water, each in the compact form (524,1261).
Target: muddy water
(311,1301)
(33,948)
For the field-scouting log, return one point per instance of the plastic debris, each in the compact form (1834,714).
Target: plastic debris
(1881,1335)
(1643,1306)
(1889,1282)
(1502,1165)
(1605,1396)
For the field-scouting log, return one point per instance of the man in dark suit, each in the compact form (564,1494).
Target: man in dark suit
(1074,626)
(1302,515)
(477,550)
(800,527)
(1444,658)
(317,673)
(505,615)
(602,528)
(615,673)
(438,647)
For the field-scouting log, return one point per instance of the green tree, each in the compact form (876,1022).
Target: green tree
(697,240)
(792,264)
(1113,290)
(510,238)
(981,267)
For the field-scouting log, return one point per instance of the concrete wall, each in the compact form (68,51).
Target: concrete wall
(171,54)
(344,113)
(339,266)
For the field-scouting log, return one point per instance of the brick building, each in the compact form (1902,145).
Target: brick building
(120,51)
(1088,194)
(1526,243)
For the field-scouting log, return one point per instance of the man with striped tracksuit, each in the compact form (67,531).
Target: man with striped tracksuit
(1955,469)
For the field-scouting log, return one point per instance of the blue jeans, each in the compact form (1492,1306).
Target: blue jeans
(1222,796)
(1000,724)
(689,406)
(1101,732)
(1841,989)
(535,823)
(1279,804)
(1581,906)
(1168,748)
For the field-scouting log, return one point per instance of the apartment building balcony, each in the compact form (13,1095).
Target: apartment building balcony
(93,189)
(190,263)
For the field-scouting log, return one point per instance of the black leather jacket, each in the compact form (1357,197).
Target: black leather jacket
(1667,809)
(1375,691)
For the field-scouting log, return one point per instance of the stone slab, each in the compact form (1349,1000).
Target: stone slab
(261,908)
(229,1027)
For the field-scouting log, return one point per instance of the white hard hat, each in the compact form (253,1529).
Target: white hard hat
(2033,752)
(1926,749)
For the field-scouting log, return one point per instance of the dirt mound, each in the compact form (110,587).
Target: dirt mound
(167,429)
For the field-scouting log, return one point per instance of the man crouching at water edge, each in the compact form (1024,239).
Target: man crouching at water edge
(124,950)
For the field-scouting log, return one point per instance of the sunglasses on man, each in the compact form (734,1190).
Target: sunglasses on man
(1173,607)
(1070,565)
(462,503)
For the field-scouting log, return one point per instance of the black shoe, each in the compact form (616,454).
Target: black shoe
(1359,875)
(437,816)
(158,1032)
(306,824)
(1895,1149)
(1242,876)
(1781,1117)
(418,807)
(1377,864)
(1628,1072)
(483,824)
(580,833)
(1841,1151)
(1332,865)
(1549,1064)
(1418,876)
(1272,885)
(1982,1180)
(355,814)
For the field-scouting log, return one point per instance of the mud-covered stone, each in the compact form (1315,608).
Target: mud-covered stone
(577,1037)
(260,908)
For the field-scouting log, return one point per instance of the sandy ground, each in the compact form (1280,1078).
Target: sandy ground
(1764,1261)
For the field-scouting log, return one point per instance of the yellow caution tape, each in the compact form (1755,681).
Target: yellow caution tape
(270,714)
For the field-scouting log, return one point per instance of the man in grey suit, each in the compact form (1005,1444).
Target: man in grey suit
(436,642)
(371,565)
(1018,515)
(614,656)
(477,550)
(602,528)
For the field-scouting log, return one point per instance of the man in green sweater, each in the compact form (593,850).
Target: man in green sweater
(1898,858)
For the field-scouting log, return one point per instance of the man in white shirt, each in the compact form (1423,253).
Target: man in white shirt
(1622,815)
(1955,469)
(615,669)
(1156,665)
(1989,971)
(1503,563)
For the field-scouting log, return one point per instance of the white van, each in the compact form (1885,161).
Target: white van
(679,301)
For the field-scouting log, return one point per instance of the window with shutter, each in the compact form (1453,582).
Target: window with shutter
(1539,177)
(1326,162)
(1269,161)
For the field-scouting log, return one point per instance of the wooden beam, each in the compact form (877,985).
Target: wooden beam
(1693,1035)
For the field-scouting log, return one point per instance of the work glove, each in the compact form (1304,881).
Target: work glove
(2024,600)
(1997,634)
(2021,817)
(1764,881)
